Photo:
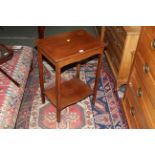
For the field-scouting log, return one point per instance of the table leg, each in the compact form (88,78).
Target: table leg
(102,33)
(78,70)
(41,78)
(41,31)
(97,77)
(58,81)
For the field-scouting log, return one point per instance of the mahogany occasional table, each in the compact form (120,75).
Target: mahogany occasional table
(62,50)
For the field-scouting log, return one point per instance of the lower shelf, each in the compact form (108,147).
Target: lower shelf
(71,92)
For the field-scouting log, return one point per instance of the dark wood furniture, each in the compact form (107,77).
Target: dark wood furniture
(121,43)
(139,100)
(41,32)
(66,49)
(5,55)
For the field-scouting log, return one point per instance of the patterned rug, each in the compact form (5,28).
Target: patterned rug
(107,109)
(106,113)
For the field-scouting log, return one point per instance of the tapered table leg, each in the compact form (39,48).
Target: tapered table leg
(58,81)
(41,31)
(41,74)
(78,70)
(97,77)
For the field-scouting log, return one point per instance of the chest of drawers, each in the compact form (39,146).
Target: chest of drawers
(121,45)
(139,100)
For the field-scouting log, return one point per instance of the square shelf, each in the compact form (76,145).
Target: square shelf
(71,92)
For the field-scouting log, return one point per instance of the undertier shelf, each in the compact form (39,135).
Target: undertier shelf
(71,92)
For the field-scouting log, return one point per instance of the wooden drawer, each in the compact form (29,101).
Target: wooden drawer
(148,54)
(149,30)
(138,112)
(141,84)
(142,103)
(145,72)
(129,109)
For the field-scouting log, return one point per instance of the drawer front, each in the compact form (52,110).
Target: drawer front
(140,116)
(145,72)
(129,109)
(150,31)
(148,51)
(142,103)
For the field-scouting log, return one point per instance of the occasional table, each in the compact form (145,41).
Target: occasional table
(62,50)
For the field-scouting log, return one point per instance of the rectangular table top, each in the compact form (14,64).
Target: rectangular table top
(66,45)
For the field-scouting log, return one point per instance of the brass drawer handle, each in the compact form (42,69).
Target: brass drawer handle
(130,84)
(132,111)
(146,68)
(139,92)
(153,44)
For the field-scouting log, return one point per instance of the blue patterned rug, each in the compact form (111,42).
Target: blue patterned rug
(107,109)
